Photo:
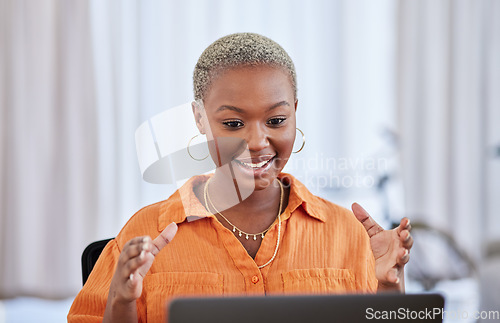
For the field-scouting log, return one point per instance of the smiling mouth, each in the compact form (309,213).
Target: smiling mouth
(255,165)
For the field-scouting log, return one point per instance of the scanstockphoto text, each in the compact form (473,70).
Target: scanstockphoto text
(429,314)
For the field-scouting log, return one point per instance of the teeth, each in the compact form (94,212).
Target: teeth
(258,165)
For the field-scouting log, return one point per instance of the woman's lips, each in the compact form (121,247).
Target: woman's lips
(255,166)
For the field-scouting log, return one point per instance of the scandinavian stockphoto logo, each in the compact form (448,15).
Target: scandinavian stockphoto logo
(321,171)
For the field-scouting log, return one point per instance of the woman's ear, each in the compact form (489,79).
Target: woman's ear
(199,116)
(296,102)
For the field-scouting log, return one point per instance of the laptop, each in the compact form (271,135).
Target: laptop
(322,308)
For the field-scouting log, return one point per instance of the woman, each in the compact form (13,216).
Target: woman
(277,238)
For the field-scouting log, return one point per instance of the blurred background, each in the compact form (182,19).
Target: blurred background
(399,101)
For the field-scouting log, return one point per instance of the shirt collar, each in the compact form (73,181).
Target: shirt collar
(184,205)
(301,197)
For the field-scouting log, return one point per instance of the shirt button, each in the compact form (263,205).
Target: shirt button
(255,279)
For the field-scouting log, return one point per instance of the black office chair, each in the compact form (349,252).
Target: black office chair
(90,256)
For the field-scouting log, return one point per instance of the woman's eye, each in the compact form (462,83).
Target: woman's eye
(276,121)
(233,123)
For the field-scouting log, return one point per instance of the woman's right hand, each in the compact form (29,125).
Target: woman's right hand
(134,262)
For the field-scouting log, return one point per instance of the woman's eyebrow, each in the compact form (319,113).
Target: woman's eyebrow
(274,106)
(232,108)
(229,107)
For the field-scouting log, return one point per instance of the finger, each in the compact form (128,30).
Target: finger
(144,268)
(392,276)
(164,238)
(135,263)
(404,224)
(406,239)
(134,242)
(370,225)
(135,278)
(130,250)
(134,249)
(404,259)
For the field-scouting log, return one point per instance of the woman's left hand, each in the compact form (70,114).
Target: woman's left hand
(391,249)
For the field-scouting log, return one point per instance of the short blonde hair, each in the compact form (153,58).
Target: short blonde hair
(235,50)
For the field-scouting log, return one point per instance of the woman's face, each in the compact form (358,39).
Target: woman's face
(255,107)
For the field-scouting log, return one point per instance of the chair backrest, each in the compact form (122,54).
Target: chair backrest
(90,256)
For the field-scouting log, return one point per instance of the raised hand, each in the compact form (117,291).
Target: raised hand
(134,262)
(391,249)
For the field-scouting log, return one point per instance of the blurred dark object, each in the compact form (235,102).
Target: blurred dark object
(436,257)
(493,250)
(90,256)
(489,280)
(493,151)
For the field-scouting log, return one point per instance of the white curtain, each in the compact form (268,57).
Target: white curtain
(48,145)
(449,116)
(78,77)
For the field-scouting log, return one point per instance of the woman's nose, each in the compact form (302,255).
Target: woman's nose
(257,138)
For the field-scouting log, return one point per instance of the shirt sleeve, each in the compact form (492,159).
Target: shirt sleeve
(90,303)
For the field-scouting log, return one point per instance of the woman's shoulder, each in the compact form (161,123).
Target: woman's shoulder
(152,219)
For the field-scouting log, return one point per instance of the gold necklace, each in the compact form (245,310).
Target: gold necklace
(235,228)
(207,197)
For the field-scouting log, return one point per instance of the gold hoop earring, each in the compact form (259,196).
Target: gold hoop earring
(187,148)
(303,142)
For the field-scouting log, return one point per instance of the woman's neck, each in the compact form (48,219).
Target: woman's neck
(247,208)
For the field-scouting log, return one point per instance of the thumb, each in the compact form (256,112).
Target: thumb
(371,227)
(164,238)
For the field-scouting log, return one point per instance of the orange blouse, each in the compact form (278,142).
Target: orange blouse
(323,249)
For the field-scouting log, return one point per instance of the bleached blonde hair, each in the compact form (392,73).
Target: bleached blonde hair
(239,50)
